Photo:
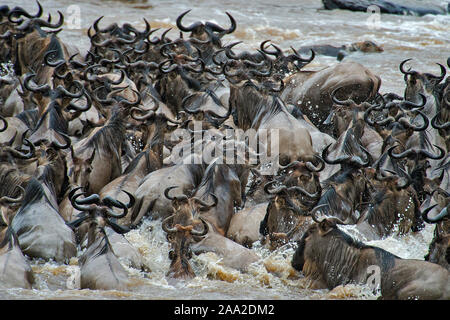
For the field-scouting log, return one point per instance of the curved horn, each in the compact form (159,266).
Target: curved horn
(73,106)
(6,200)
(47,24)
(18,11)
(434,122)
(166,194)
(42,88)
(314,210)
(108,201)
(132,199)
(296,56)
(409,104)
(402,70)
(165,225)
(399,155)
(21,155)
(330,161)
(422,127)
(443,72)
(150,114)
(83,207)
(201,233)
(51,63)
(335,100)
(313,168)
(183,28)
(277,190)
(432,156)
(215,27)
(5,124)
(65,92)
(207,205)
(441,215)
(277,53)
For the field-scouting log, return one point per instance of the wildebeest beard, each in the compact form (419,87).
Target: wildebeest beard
(110,136)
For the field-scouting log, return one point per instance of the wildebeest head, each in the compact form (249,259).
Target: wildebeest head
(416,160)
(439,251)
(344,112)
(98,213)
(31,41)
(206,31)
(286,64)
(184,231)
(366,46)
(81,169)
(417,82)
(395,205)
(288,210)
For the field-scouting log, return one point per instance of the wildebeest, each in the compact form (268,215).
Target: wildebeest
(257,110)
(99,215)
(287,211)
(221,183)
(311,90)
(15,270)
(384,7)
(439,251)
(394,207)
(41,230)
(329,257)
(343,50)
(96,159)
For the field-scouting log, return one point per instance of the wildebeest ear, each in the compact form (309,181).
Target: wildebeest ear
(325,226)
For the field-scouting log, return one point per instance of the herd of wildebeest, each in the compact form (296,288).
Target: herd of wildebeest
(86,142)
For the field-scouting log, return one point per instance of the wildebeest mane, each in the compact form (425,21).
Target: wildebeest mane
(9,239)
(33,193)
(133,164)
(110,136)
(56,119)
(330,197)
(104,247)
(256,107)
(212,172)
(339,259)
(385,259)
(10,178)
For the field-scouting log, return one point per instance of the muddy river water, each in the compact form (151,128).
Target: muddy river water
(287,23)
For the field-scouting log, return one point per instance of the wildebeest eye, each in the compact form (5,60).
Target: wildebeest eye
(172,255)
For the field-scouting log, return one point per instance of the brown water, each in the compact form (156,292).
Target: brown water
(286,23)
